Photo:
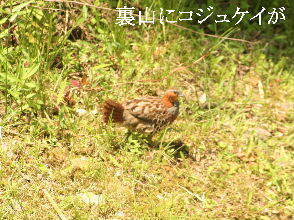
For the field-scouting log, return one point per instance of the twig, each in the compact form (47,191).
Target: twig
(201,198)
(54,205)
(202,57)
(176,25)
(142,81)
(53,9)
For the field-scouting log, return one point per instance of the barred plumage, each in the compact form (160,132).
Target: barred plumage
(147,114)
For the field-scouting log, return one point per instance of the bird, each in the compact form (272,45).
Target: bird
(147,115)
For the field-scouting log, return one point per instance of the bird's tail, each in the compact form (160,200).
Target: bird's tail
(112,111)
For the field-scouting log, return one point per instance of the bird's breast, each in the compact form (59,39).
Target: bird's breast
(174,110)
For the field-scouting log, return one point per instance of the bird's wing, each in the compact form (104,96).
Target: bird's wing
(148,109)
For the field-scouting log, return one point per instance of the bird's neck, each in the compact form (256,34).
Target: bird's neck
(168,103)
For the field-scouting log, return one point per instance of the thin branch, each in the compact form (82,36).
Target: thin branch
(54,205)
(53,9)
(142,81)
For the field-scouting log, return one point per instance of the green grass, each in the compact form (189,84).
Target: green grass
(228,155)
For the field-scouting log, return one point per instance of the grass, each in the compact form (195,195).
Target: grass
(228,155)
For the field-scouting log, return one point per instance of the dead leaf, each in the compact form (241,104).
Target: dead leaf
(91,198)
(81,163)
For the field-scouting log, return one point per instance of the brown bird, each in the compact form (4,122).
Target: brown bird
(147,114)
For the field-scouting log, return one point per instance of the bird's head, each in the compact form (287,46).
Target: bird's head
(171,97)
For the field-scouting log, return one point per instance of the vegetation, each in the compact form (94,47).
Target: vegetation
(228,155)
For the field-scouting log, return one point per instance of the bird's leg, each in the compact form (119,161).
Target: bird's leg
(149,137)
(128,134)
(150,142)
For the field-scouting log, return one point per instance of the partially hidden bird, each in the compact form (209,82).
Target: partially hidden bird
(147,115)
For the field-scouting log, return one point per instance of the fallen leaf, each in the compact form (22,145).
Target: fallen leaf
(91,198)
(81,112)
(81,163)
